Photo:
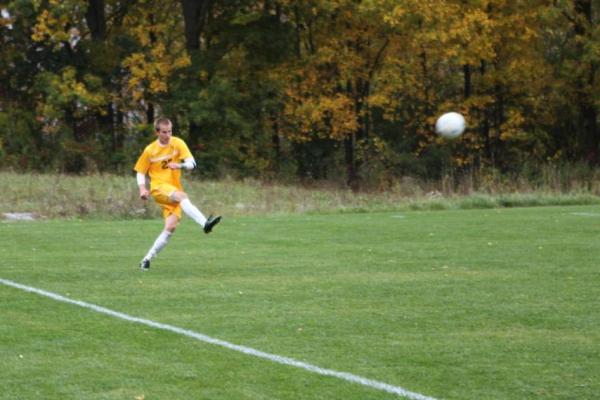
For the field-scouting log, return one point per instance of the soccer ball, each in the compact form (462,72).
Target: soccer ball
(450,125)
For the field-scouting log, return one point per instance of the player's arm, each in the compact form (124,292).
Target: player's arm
(184,153)
(141,168)
(141,181)
(189,164)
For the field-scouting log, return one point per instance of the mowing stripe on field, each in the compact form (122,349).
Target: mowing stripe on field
(242,349)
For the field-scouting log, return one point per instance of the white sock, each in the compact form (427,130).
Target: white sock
(191,211)
(160,242)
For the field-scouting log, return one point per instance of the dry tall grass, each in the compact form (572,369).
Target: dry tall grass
(111,196)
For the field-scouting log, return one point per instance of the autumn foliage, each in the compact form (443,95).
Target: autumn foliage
(330,89)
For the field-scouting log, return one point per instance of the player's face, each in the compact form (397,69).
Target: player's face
(164,133)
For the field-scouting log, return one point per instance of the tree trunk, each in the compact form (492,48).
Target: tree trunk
(487,112)
(588,113)
(352,176)
(467,75)
(96,19)
(194,17)
(150,116)
(195,13)
(276,140)
(298,32)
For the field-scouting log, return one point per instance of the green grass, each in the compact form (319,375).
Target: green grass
(454,304)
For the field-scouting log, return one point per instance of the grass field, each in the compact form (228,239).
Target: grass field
(454,304)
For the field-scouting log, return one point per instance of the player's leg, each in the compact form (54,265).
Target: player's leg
(192,211)
(171,221)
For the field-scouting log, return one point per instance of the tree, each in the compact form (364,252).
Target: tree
(340,48)
(483,59)
(576,66)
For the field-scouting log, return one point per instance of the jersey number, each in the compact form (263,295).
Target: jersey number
(165,163)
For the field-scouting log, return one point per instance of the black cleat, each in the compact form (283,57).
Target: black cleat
(145,265)
(211,222)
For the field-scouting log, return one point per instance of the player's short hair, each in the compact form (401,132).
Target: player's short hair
(161,121)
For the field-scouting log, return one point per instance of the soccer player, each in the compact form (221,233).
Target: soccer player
(162,160)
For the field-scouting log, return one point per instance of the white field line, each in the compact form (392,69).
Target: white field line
(242,349)
(586,214)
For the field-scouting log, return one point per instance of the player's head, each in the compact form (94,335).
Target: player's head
(164,129)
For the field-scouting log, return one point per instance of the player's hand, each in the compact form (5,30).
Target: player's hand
(144,193)
(174,165)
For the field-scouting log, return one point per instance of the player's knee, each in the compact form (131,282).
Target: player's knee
(171,226)
(178,196)
(171,223)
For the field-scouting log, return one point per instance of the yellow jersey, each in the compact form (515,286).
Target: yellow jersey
(156,157)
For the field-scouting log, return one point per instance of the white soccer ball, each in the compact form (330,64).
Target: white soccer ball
(450,125)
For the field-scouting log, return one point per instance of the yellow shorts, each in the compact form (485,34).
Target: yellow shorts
(161,195)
